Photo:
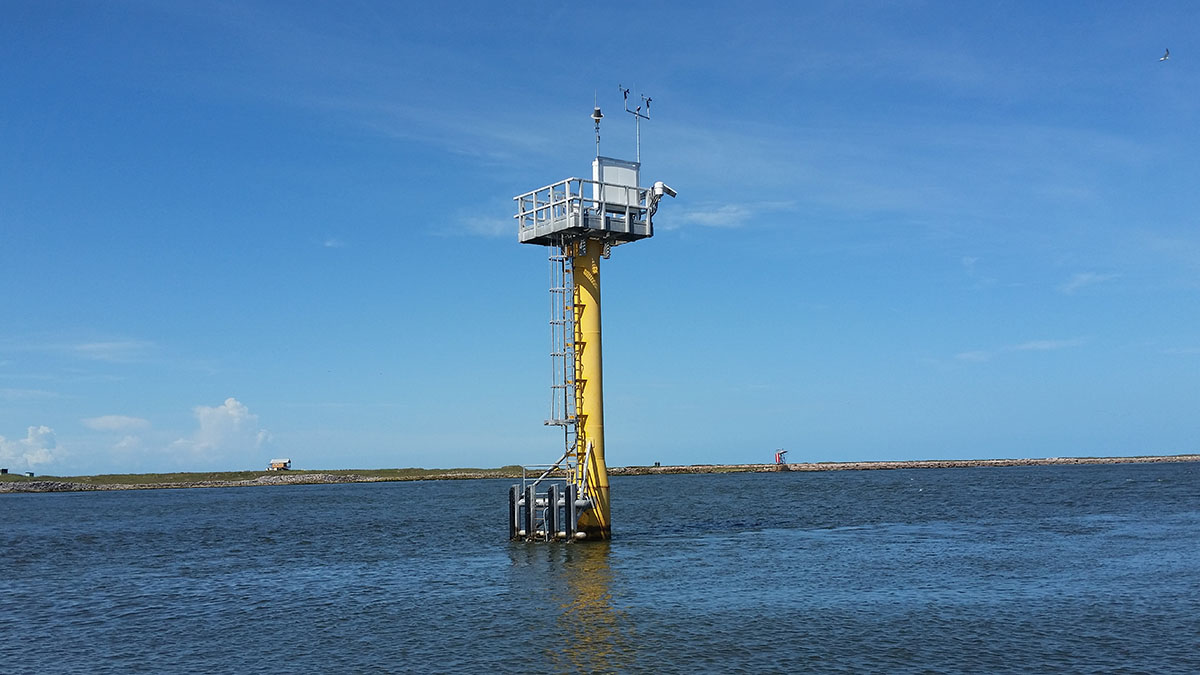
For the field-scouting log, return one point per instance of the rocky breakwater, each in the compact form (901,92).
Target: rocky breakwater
(275,479)
(910,464)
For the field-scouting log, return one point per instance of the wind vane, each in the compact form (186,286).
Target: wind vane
(638,117)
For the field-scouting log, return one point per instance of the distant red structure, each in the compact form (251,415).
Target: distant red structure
(779,456)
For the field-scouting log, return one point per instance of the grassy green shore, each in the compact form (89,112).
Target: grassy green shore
(234,476)
(143,481)
(22,483)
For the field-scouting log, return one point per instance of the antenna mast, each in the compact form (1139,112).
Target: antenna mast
(638,116)
(596,115)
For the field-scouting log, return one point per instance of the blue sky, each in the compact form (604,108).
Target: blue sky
(237,230)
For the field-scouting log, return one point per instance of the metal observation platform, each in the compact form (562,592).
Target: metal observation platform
(610,207)
(580,221)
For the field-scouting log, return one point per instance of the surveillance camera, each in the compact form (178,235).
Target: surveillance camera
(661,188)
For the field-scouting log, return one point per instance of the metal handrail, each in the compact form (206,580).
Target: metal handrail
(566,197)
(583,484)
(549,469)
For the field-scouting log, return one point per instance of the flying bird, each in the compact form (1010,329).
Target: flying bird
(1166,56)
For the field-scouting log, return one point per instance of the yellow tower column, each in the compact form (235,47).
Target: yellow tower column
(589,389)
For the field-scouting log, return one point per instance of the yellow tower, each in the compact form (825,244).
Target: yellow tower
(580,220)
(589,391)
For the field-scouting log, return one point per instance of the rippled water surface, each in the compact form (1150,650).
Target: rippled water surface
(1077,568)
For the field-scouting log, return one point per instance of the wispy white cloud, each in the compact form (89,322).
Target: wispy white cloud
(115,423)
(333,242)
(974,356)
(976,273)
(723,215)
(1182,351)
(38,447)
(1045,345)
(900,168)
(492,137)
(11,394)
(395,89)
(1083,280)
(116,351)
(488,226)
(492,219)
(1174,250)
(1030,346)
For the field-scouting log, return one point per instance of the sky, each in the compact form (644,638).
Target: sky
(234,231)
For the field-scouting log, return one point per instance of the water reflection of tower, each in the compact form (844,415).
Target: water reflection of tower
(598,637)
(577,625)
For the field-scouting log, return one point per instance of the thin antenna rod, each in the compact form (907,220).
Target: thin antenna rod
(637,118)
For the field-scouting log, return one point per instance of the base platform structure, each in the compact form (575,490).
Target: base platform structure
(546,508)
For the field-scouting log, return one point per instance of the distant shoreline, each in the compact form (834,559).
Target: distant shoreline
(891,465)
(17,483)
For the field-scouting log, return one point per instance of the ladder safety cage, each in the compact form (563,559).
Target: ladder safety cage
(562,339)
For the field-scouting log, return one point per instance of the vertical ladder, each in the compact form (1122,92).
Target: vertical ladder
(563,395)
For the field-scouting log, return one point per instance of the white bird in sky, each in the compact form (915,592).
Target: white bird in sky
(1166,55)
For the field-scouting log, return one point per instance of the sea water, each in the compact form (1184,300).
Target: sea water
(1091,568)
